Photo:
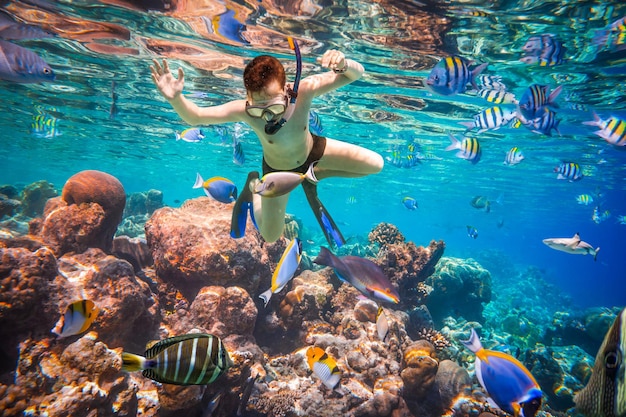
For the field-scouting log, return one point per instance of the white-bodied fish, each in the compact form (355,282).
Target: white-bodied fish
(277,183)
(323,366)
(285,269)
(77,318)
(382,325)
(572,245)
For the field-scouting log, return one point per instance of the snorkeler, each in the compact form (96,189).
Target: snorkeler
(279,115)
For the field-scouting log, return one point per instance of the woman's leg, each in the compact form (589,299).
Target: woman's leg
(342,159)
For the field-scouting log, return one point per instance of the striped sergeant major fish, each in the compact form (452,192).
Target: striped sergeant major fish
(513,156)
(491,82)
(612,36)
(546,50)
(469,148)
(491,119)
(613,129)
(545,123)
(605,393)
(569,171)
(452,74)
(496,96)
(189,359)
(535,99)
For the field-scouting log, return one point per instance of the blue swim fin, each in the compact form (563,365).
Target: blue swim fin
(242,207)
(331,231)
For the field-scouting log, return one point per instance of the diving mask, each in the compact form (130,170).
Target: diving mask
(270,111)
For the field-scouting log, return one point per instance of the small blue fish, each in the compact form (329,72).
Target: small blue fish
(20,65)
(598,217)
(361,273)
(472,232)
(218,188)
(410,203)
(193,134)
(505,379)
(239,158)
(452,74)
(621,219)
(315,123)
(569,171)
(535,99)
(513,156)
(285,269)
(469,148)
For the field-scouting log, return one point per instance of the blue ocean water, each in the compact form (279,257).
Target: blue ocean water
(110,116)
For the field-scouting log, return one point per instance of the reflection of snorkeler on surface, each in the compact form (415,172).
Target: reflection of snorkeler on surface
(286,146)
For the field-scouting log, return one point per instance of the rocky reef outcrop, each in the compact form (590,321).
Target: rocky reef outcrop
(460,287)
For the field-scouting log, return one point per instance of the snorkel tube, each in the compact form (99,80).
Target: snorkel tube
(272,127)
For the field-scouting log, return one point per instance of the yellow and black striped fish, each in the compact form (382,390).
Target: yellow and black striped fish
(493,95)
(189,359)
(469,148)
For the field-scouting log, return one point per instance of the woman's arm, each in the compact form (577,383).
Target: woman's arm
(171,89)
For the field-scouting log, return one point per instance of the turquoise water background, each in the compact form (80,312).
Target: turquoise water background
(386,109)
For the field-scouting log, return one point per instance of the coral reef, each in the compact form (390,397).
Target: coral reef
(188,275)
(460,287)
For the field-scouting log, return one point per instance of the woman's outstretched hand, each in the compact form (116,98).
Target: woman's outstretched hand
(168,86)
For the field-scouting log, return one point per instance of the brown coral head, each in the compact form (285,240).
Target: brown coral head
(438,340)
(386,234)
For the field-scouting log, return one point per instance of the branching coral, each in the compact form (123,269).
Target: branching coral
(438,340)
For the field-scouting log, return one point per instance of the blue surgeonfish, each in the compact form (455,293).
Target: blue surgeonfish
(572,245)
(506,380)
(193,134)
(323,366)
(77,318)
(219,188)
(363,274)
(189,359)
(472,232)
(410,203)
(452,74)
(605,393)
(285,269)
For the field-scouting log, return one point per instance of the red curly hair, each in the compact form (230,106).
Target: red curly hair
(261,71)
